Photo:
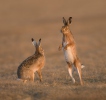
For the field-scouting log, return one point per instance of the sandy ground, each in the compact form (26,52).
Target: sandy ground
(22,20)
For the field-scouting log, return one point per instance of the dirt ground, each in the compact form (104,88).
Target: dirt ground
(21,20)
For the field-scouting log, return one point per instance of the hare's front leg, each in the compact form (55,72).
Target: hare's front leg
(40,74)
(68,45)
(32,76)
(60,47)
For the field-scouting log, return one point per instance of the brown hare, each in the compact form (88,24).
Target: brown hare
(69,49)
(32,64)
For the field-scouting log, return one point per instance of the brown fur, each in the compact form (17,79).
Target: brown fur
(69,42)
(32,64)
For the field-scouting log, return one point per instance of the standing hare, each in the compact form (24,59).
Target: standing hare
(32,64)
(69,49)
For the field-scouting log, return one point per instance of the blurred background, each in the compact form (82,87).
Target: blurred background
(21,20)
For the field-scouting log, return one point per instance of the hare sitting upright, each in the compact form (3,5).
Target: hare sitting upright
(32,64)
(69,49)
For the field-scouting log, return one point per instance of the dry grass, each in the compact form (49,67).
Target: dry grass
(22,20)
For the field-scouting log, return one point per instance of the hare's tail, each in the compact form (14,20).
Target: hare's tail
(74,68)
(82,66)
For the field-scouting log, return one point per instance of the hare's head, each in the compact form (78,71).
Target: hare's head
(65,29)
(38,46)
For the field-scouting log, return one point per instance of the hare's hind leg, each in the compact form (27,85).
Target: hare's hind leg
(78,66)
(24,81)
(40,74)
(70,70)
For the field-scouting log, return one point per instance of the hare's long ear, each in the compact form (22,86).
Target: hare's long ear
(64,21)
(69,20)
(39,43)
(33,42)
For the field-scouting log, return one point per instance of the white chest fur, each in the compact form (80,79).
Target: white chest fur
(68,53)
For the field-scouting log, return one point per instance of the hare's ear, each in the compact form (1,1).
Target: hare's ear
(69,20)
(33,42)
(64,21)
(39,43)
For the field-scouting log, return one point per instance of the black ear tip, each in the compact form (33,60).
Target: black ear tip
(32,39)
(70,17)
(40,39)
(63,18)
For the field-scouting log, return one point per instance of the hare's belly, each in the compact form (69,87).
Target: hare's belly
(68,55)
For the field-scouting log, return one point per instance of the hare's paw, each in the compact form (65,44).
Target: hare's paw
(60,47)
